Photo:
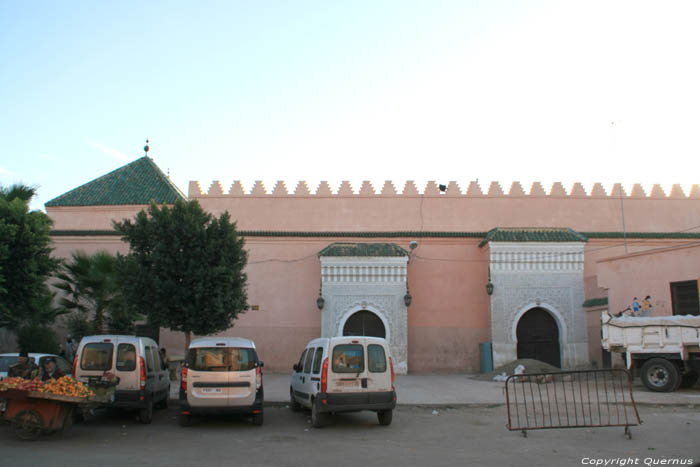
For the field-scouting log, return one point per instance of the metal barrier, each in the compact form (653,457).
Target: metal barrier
(571,399)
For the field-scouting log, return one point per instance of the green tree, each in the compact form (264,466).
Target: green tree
(25,261)
(91,288)
(185,268)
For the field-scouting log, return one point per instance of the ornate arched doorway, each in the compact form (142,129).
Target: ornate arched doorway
(364,323)
(538,337)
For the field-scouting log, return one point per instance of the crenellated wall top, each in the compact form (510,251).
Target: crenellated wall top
(432,189)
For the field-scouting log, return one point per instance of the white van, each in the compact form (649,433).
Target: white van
(143,376)
(221,375)
(344,374)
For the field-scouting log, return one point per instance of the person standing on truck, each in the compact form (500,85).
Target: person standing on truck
(635,307)
(647,307)
(24,368)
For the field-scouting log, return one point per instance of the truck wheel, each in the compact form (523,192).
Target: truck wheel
(317,418)
(146,414)
(689,379)
(660,375)
(385,416)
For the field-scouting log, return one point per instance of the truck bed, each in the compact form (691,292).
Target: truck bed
(678,334)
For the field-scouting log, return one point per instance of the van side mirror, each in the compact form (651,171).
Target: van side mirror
(295,367)
(261,364)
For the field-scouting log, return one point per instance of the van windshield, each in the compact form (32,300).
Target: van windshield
(348,358)
(222,359)
(97,356)
(126,357)
(376,359)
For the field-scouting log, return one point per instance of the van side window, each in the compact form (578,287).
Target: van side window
(97,356)
(149,359)
(126,357)
(317,360)
(348,358)
(309,359)
(300,365)
(376,358)
(156,359)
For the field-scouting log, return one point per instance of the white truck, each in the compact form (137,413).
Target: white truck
(665,348)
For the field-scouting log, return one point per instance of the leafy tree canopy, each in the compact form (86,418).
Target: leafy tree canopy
(25,261)
(185,268)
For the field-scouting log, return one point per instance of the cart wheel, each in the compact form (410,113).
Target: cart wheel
(68,421)
(27,425)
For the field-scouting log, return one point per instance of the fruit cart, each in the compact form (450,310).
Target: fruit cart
(31,413)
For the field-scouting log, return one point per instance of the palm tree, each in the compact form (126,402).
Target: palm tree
(90,287)
(22,192)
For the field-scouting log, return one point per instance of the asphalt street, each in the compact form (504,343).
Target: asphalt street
(418,436)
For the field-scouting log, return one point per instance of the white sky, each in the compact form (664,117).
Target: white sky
(595,91)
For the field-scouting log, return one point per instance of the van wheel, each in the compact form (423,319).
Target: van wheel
(184,419)
(258,419)
(385,416)
(146,414)
(660,375)
(293,404)
(164,403)
(317,418)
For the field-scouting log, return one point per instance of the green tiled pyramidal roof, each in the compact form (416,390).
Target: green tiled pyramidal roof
(139,182)
(363,249)
(534,234)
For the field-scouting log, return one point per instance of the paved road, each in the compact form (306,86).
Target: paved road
(417,437)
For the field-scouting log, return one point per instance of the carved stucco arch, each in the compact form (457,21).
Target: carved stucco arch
(354,308)
(552,310)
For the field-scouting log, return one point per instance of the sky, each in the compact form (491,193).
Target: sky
(575,91)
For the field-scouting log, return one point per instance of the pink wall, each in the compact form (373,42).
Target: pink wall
(90,217)
(449,315)
(649,273)
(452,211)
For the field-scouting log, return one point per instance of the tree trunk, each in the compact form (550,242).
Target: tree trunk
(188,339)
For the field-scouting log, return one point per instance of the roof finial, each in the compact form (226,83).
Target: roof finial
(146,148)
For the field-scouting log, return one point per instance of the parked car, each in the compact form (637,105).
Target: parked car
(221,375)
(144,382)
(9,359)
(344,374)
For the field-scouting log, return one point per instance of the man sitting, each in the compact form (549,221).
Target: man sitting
(51,371)
(24,368)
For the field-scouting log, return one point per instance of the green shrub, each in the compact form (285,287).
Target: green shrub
(37,338)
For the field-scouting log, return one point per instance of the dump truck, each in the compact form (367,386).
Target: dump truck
(666,349)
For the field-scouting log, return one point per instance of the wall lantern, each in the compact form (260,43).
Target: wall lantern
(320,301)
(489,285)
(407,298)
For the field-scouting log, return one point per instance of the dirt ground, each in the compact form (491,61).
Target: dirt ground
(418,436)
